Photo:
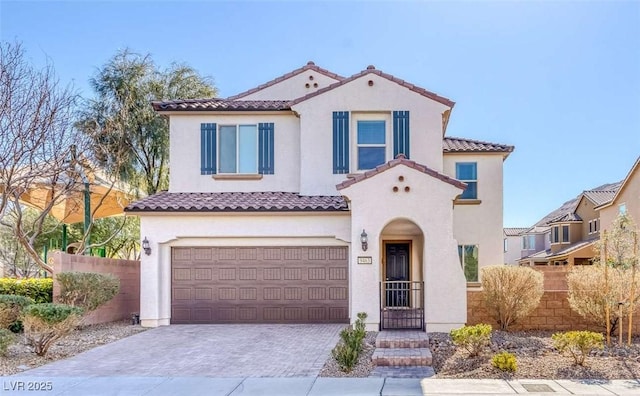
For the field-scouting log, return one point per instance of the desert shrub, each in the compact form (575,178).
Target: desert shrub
(578,343)
(87,290)
(348,351)
(39,290)
(44,324)
(505,361)
(590,295)
(474,339)
(6,339)
(510,292)
(11,307)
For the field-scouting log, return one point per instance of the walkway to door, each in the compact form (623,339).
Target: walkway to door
(207,350)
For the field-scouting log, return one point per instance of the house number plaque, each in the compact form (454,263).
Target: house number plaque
(365,260)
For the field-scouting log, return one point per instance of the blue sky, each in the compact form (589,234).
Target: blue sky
(559,80)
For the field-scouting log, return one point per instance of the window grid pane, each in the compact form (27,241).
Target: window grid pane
(370,157)
(228,147)
(248,149)
(467,172)
(371,132)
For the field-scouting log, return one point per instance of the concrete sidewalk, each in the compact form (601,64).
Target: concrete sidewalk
(305,386)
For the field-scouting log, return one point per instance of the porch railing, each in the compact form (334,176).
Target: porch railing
(401,305)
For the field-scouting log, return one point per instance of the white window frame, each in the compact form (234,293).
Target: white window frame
(561,236)
(219,147)
(388,135)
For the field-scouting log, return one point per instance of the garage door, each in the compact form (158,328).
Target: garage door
(259,285)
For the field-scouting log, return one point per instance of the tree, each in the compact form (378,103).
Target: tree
(36,140)
(131,139)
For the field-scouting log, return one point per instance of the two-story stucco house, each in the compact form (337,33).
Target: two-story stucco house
(314,197)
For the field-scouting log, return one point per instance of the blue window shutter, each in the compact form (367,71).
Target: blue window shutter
(340,142)
(265,148)
(207,149)
(401,133)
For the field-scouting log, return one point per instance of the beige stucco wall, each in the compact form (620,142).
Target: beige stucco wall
(481,224)
(185,153)
(381,99)
(514,250)
(630,196)
(293,87)
(200,229)
(587,213)
(428,204)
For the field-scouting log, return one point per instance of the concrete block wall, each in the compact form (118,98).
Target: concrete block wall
(128,271)
(553,313)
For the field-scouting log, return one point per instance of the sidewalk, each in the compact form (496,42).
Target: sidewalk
(305,386)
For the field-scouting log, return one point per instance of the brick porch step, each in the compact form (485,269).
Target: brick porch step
(402,357)
(402,339)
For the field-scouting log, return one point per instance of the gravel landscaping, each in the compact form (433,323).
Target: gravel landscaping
(20,357)
(361,369)
(536,358)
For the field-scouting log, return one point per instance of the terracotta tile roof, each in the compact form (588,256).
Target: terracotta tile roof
(400,160)
(461,145)
(547,255)
(309,66)
(372,70)
(514,231)
(216,104)
(566,218)
(238,202)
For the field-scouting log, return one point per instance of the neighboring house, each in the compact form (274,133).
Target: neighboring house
(567,235)
(314,197)
(626,200)
(513,244)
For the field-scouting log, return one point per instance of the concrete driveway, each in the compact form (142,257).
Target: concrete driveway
(207,350)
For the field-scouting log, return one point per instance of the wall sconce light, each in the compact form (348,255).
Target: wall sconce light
(145,246)
(364,240)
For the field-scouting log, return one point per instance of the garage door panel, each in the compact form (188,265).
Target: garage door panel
(259,285)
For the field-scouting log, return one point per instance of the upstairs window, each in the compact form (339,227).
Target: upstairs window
(555,237)
(372,148)
(467,172)
(528,242)
(238,149)
(565,234)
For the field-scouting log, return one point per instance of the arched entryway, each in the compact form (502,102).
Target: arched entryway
(402,280)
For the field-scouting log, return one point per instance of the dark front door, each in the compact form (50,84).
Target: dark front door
(397,274)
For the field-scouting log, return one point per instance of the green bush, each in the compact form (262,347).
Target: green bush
(505,361)
(38,289)
(578,343)
(347,352)
(472,338)
(46,323)
(11,307)
(6,339)
(87,290)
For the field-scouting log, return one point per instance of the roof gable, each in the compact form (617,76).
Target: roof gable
(401,160)
(309,66)
(623,184)
(372,70)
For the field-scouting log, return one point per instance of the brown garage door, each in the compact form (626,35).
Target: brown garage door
(259,285)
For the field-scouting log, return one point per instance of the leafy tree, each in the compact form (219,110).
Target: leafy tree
(132,140)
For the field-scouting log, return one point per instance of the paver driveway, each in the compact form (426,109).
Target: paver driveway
(207,350)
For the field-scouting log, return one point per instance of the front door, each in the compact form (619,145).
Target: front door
(397,274)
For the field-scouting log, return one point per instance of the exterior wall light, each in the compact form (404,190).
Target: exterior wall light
(364,240)
(145,246)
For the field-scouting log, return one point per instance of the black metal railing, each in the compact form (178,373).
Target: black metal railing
(401,305)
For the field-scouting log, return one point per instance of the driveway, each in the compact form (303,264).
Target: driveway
(207,350)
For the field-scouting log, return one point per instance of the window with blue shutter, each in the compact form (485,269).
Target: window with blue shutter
(207,149)
(401,133)
(340,142)
(265,148)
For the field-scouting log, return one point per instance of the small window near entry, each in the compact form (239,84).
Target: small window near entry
(469,261)
(371,144)
(622,208)
(467,172)
(565,233)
